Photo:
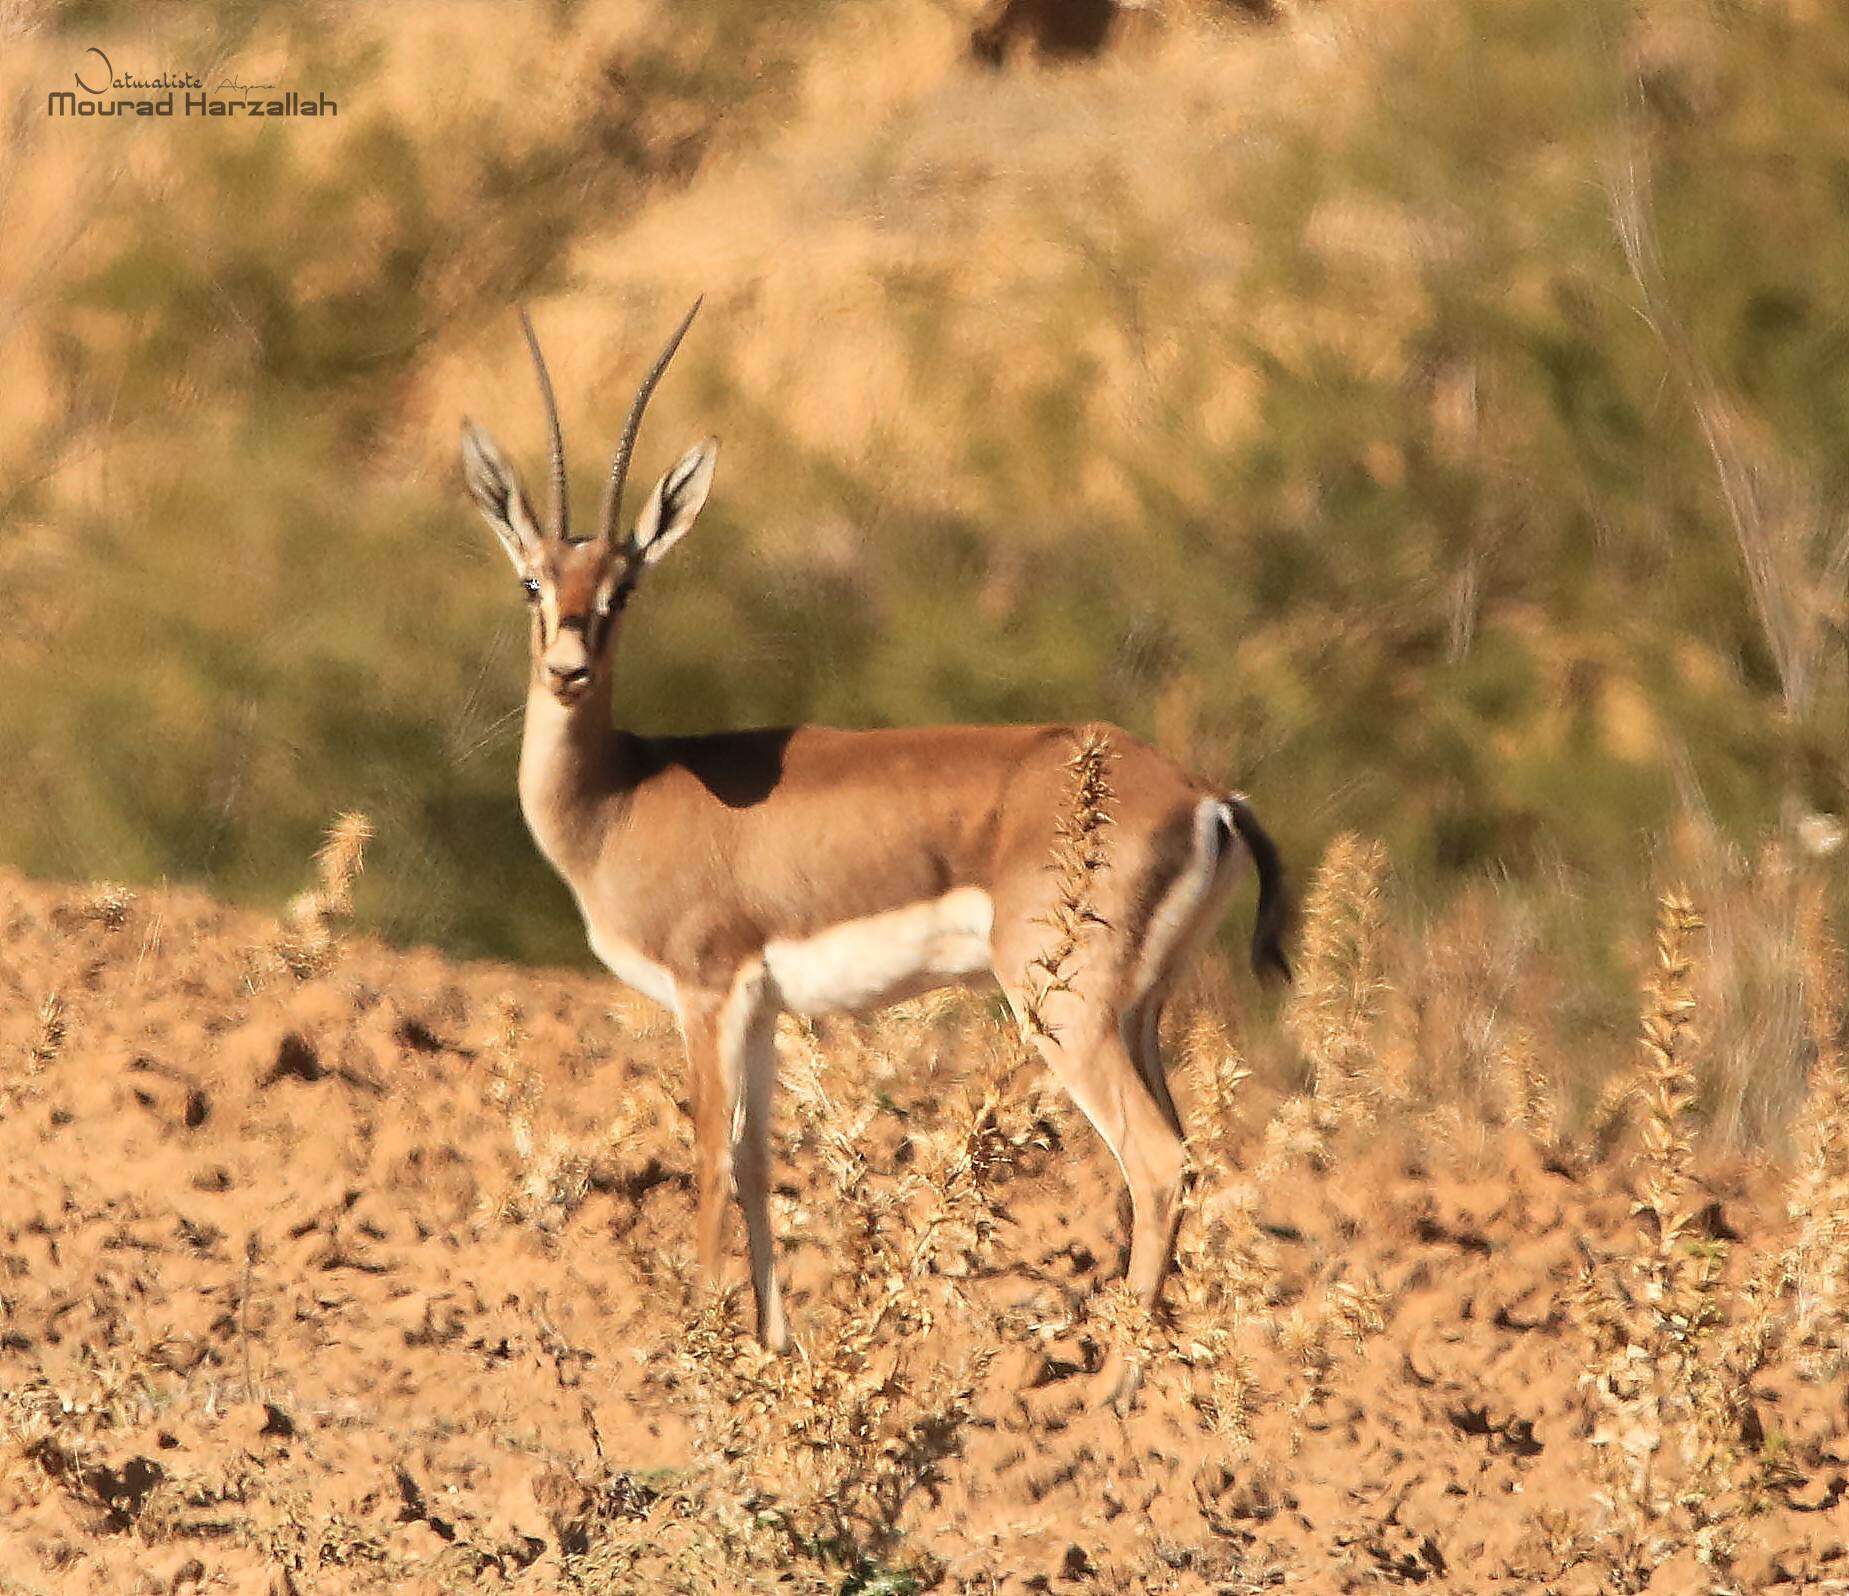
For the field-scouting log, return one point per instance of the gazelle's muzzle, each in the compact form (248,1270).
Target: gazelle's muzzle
(565,665)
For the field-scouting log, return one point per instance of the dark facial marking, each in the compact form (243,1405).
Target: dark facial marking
(577,572)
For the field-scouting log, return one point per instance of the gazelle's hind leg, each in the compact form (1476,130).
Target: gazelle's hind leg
(1154,1160)
(1141,1028)
(1114,1094)
(1088,1057)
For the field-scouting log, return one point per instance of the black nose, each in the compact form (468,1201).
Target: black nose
(570,678)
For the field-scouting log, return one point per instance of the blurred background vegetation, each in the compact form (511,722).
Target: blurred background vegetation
(1432,418)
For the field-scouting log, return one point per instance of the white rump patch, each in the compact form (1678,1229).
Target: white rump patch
(865,964)
(1180,915)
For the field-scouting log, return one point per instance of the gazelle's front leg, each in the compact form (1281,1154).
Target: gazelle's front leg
(713,1098)
(748,1045)
(731,1051)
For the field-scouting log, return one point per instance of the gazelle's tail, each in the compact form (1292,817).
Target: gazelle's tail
(1274,906)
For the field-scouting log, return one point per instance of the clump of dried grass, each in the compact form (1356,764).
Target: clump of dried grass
(307,940)
(555,1171)
(808,1461)
(1751,982)
(1816,1263)
(1525,1084)
(50,1028)
(1335,1007)
(1667,1389)
(1080,851)
(1455,1047)
(108,905)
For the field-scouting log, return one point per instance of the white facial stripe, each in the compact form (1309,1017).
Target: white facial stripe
(865,964)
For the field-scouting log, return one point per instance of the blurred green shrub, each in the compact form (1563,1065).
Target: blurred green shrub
(1475,577)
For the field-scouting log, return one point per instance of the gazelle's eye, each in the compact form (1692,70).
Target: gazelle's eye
(530,586)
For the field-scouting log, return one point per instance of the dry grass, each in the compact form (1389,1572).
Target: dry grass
(307,941)
(1335,1008)
(1816,1263)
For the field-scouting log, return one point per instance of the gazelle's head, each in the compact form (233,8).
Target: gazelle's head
(576,587)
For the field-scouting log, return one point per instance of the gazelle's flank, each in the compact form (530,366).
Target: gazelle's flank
(808,869)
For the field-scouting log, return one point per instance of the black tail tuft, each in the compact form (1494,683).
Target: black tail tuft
(1274,906)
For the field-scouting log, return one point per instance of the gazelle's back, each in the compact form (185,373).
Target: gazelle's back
(797,829)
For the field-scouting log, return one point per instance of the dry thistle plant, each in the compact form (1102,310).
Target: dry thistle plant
(1225,1266)
(307,942)
(1658,1371)
(555,1172)
(549,1183)
(1335,1006)
(49,1041)
(1526,1087)
(1667,1086)
(48,1036)
(1213,1061)
(1610,1115)
(1079,852)
(812,1458)
(1350,1311)
(1816,1263)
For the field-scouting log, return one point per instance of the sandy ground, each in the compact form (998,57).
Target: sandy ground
(262,1326)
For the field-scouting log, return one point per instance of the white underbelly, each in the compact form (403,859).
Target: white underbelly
(865,964)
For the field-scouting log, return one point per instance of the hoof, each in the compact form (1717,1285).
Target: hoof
(1129,1381)
(774,1333)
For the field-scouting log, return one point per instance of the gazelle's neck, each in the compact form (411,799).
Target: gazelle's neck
(570,772)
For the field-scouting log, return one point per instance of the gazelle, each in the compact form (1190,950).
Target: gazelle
(807,869)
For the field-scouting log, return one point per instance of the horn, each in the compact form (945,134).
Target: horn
(561,511)
(619,465)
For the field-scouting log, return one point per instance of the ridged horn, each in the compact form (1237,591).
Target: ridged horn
(619,464)
(561,510)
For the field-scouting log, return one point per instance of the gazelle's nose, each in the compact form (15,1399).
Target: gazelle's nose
(569,675)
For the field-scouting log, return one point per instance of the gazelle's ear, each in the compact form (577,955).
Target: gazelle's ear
(499,496)
(675,502)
